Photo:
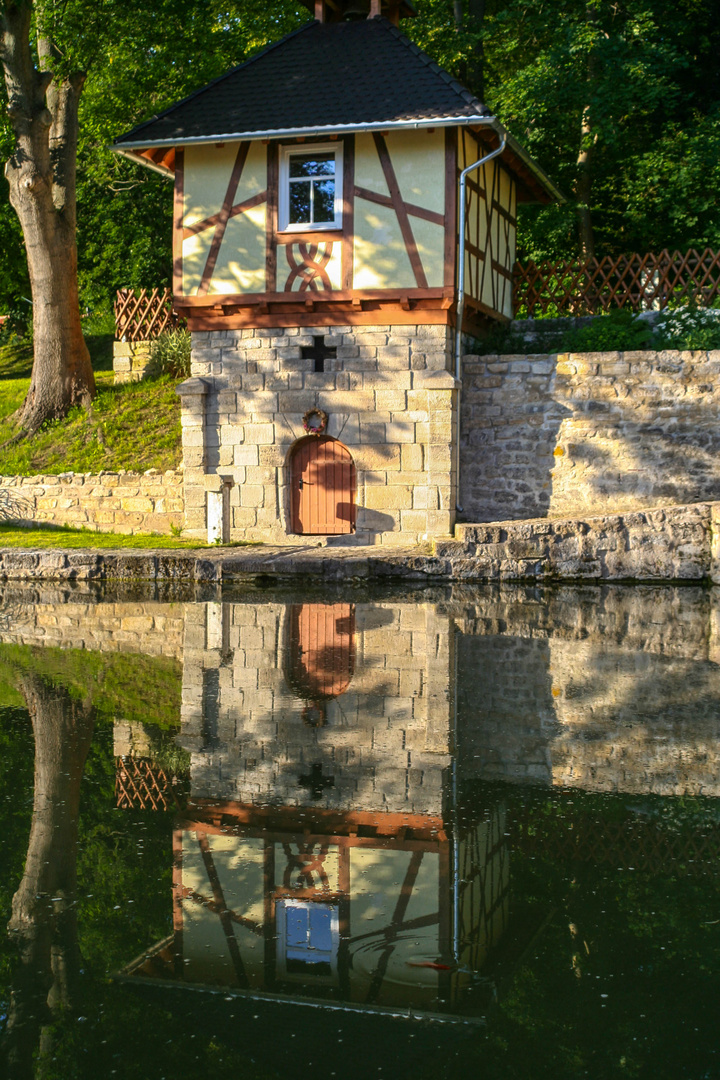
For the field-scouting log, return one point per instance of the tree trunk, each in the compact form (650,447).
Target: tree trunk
(472,71)
(586,153)
(44,921)
(476,65)
(583,187)
(43,112)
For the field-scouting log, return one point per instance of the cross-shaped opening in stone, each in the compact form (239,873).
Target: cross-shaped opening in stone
(319,352)
(315,782)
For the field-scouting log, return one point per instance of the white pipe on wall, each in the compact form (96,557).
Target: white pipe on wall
(461,303)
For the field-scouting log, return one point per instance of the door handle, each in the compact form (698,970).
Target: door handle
(304,483)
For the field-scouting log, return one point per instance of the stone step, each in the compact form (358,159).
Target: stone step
(356,539)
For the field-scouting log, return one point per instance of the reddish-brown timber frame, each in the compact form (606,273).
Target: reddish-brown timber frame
(479,264)
(334,307)
(285,826)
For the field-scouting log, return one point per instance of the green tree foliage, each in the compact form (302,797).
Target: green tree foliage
(140,58)
(642,74)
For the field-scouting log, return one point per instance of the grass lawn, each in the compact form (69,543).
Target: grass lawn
(50,536)
(134,427)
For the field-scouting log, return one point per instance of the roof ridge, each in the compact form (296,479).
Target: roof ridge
(218,79)
(467,96)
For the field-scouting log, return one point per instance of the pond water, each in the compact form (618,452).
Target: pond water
(453,833)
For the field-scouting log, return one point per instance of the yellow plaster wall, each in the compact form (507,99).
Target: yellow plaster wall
(239,865)
(376,877)
(380,257)
(240,267)
(488,286)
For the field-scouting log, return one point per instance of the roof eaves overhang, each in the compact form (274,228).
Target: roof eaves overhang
(129,149)
(305,132)
(138,159)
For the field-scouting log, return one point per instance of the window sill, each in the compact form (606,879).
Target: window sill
(292,230)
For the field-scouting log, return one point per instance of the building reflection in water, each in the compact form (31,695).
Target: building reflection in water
(319,857)
(322,854)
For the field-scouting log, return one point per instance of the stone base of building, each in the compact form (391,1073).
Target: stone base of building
(390,402)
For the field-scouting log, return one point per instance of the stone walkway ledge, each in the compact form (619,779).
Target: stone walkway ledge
(666,544)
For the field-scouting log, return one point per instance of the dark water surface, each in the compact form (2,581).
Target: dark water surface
(458,833)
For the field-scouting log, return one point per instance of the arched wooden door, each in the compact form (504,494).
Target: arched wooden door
(323,487)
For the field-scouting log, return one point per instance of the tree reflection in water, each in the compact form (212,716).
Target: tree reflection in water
(43,925)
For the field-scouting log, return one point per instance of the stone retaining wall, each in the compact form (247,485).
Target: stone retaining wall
(676,543)
(131,360)
(149,627)
(566,435)
(126,503)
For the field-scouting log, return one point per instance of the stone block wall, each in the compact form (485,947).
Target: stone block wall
(147,627)
(131,360)
(389,399)
(385,742)
(568,434)
(634,721)
(108,502)
(614,690)
(674,543)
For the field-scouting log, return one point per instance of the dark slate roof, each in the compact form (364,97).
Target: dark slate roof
(324,75)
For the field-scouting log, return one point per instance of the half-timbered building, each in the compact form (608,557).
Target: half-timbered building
(321,853)
(316,260)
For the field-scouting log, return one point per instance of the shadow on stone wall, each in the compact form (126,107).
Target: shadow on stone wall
(594,433)
(619,694)
(15,508)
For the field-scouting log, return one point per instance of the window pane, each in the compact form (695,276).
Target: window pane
(312,165)
(324,200)
(300,202)
(297,920)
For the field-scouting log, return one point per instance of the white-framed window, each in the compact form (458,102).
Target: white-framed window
(308,936)
(310,195)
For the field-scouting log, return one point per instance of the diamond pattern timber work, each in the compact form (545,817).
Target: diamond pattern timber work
(636,282)
(143,315)
(636,845)
(140,784)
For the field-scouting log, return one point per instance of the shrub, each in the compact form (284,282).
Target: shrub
(17,325)
(620,331)
(170,354)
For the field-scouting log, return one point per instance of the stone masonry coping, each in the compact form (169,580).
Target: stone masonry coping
(677,543)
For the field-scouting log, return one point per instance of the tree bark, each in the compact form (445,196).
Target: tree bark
(473,70)
(43,112)
(43,924)
(586,153)
(583,187)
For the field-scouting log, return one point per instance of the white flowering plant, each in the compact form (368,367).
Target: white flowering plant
(688,328)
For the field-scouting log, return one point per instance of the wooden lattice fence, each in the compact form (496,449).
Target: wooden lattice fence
(140,784)
(144,314)
(621,845)
(636,282)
